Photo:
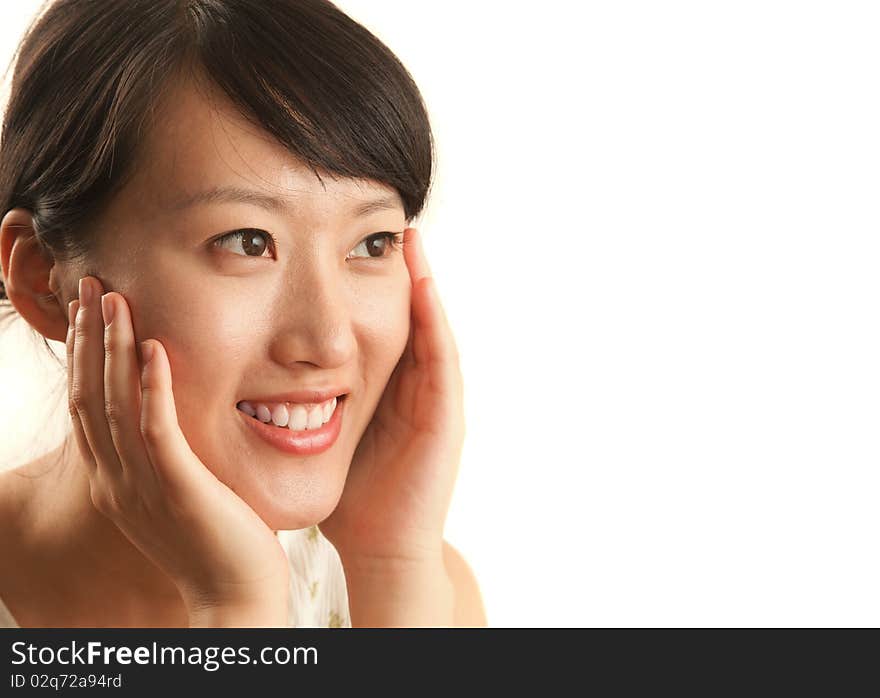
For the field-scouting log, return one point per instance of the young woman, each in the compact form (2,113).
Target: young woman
(209,202)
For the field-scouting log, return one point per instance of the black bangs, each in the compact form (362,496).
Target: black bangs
(323,85)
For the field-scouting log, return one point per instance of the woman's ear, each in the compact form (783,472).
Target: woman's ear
(28,278)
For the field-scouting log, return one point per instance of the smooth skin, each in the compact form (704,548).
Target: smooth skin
(167,512)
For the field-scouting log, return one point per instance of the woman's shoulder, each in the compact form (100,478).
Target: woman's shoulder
(13,502)
(14,560)
(19,486)
(17,490)
(24,575)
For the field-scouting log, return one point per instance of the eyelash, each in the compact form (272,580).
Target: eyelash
(395,241)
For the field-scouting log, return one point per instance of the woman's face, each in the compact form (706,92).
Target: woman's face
(248,318)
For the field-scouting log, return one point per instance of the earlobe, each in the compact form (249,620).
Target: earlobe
(27,270)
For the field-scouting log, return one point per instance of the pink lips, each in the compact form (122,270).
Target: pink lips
(300,443)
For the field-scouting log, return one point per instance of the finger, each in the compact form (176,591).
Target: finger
(122,385)
(88,379)
(432,338)
(414,253)
(165,443)
(78,432)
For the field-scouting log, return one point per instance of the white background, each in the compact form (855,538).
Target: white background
(655,231)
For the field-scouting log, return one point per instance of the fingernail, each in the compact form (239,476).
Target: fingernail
(85,292)
(146,352)
(107,309)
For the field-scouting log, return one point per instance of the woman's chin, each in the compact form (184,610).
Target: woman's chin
(294,509)
(287,521)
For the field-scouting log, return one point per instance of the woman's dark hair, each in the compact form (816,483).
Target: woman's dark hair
(90,76)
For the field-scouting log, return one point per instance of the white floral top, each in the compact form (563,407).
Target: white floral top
(318,595)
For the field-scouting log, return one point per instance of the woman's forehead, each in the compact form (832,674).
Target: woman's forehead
(201,151)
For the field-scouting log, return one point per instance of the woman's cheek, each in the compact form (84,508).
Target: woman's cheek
(205,371)
(386,321)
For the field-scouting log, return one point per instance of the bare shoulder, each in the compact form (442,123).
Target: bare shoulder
(19,506)
(16,485)
(16,579)
(19,484)
(23,575)
(469,609)
(11,486)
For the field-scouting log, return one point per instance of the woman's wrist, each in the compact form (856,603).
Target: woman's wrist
(249,608)
(398,594)
(238,614)
(261,605)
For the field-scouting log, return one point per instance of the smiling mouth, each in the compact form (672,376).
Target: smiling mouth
(292,417)
(292,439)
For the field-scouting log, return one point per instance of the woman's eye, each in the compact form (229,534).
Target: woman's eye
(378,245)
(253,241)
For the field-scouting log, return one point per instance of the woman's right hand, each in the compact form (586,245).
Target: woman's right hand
(226,562)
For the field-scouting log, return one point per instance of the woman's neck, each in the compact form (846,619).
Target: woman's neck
(80,560)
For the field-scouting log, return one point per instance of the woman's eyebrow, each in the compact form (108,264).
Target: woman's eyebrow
(274,204)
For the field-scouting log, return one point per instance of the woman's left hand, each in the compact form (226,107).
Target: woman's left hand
(398,490)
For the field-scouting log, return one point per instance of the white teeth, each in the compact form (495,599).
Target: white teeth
(316,417)
(280,416)
(328,410)
(263,414)
(299,418)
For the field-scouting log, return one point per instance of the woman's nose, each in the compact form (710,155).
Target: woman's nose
(315,323)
